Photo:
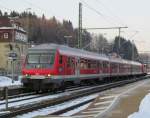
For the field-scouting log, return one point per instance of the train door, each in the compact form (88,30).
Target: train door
(61,65)
(70,66)
(77,66)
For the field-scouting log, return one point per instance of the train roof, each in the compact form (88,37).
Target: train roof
(120,60)
(71,51)
(80,53)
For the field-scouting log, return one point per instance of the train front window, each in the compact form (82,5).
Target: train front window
(40,60)
(33,58)
(46,58)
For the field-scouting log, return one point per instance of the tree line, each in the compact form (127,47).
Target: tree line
(50,30)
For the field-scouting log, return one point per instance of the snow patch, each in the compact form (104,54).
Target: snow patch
(72,112)
(143,109)
(6,81)
(30,101)
(52,109)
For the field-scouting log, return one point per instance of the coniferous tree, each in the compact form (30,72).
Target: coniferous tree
(126,49)
(1,14)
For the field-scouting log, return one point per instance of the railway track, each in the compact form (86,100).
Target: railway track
(68,96)
(21,92)
(33,95)
(12,92)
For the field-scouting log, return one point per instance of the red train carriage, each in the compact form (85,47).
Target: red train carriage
(49,66)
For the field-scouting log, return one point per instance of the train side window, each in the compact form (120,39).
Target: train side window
(73,62)
(100,64)
(82,63)
(93,64)
(89,64)
(60,59)
(69,62)
(86,64)
(105,64)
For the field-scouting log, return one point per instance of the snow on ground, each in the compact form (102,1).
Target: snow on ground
(18,98)
(144,107)
(31,101)
(72,112)
(6,81)
(52,109)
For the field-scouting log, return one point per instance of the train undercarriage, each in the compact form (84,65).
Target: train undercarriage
(60,84)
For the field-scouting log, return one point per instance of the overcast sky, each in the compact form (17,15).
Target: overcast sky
(132,13)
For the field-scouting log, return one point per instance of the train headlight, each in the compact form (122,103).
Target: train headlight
(27,75)
(49,75)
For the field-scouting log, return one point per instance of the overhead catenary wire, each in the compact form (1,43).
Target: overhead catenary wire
(114,15)
(110,12)
(38,7)
(97,12)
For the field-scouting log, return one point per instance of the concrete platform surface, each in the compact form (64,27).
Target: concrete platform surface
(128,102)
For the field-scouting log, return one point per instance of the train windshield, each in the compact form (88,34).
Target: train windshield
(38,60)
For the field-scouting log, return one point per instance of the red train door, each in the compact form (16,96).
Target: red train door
(70,66)
(77,66)
(61,68)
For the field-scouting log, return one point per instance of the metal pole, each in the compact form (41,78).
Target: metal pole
(13,52)
(133,50)
(6,96)
(109,28)
(119,40)
(80,26)
(103,28)
(12,64)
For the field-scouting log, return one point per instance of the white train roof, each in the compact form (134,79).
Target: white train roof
(71,51)
(81,53)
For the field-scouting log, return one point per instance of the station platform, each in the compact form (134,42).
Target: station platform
(128,103)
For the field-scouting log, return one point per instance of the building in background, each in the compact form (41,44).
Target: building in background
(13,38)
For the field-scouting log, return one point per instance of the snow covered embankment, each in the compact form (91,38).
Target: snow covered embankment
(144,109)
(6,81)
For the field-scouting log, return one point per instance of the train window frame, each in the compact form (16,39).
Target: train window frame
(100,64)
(32,62)
(72,62)
(60,59)
(51,58)
(84,63)
(105,64)
(89,64)
(69,62)
(39,57)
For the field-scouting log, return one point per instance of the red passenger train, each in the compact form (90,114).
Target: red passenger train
(50,66)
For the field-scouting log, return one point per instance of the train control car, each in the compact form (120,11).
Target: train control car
(51,66)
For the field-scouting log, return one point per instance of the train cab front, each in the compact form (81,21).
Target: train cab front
(38,68)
